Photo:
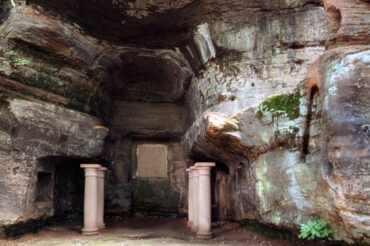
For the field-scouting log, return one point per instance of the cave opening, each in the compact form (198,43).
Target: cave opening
(149,88)
(68,189)
(60,186)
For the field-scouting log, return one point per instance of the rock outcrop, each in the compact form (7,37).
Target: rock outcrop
(274,91)
(32,132)
(283,151)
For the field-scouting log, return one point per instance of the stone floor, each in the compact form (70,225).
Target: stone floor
(145,232)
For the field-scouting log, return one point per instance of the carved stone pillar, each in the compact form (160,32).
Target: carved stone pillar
(204,200)
(190,197)
(195,203)
(100,216)
(91,199)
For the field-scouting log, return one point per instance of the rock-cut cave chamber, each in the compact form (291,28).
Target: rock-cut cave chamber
(275,92)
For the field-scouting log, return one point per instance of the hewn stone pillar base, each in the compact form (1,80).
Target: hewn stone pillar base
(89,231)
(91,199)
(204,235)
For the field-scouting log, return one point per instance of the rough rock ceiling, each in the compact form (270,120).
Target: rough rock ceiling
(124,49)
(147,75)
(153,23)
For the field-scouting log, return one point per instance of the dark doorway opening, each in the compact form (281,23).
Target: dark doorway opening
(220,193)
(68,189)
(65,181)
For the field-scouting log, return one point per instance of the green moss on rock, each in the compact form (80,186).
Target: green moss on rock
(284,104)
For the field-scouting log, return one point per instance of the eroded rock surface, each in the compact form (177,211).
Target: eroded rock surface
(31,131)
(274,91)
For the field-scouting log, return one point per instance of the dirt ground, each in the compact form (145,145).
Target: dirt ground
(145,232)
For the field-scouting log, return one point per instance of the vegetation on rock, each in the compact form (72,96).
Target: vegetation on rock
(314,229)
(284,104)
(11,59)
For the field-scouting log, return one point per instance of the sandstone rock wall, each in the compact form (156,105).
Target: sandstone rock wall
(275,92)
(31,131)
(274,138)
(344,137)
(266,54)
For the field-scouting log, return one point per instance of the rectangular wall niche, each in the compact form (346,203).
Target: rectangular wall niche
(44,187)
(151,161)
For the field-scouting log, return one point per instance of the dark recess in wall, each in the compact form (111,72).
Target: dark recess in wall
(219,192)
(5,7)
(43,186)
(68,189)
(306,134)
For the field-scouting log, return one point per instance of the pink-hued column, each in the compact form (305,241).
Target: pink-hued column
(190,197)
(204,206)
(195,203)
(91,199)
(100,216)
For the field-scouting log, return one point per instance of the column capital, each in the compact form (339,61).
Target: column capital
(205,164)
(204,168)
(195,171)
(190,172)
(84,165)
(204,171)
(101,171)
(91,170)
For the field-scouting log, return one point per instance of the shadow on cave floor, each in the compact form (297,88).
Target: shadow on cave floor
(144,232)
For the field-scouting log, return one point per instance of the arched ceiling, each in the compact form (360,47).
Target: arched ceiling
(150,75)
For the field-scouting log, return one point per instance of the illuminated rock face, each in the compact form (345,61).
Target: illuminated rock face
(345,136)
(278,100)
(284,167)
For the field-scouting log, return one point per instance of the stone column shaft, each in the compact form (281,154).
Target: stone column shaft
(190,197)
(195,190)
(100,214)
(204,200)
(90,199)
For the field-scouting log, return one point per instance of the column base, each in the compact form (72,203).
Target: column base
(189,223)
(89,232)
(101,226)
(204,235)
(194,228)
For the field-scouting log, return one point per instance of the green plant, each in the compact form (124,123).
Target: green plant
(21,62)
(314,229)
(11,59)
(10,53)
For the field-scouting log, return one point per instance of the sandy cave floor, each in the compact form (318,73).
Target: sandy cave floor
(144,232)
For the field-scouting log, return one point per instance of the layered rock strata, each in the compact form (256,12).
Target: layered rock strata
(275,92)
